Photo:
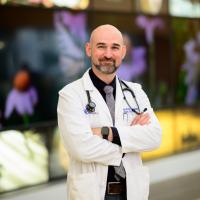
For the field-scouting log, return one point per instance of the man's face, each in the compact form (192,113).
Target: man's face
(106,51)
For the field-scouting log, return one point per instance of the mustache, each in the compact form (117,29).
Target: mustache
(107,59)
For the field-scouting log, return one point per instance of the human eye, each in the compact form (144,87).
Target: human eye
(101,46)
(115,47)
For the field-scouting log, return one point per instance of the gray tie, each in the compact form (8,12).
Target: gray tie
(119,171)
(110,100)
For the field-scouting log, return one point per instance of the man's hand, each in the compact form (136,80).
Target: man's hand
(96,131)
(142,119)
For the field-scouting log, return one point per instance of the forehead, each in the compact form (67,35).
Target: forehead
(107,36)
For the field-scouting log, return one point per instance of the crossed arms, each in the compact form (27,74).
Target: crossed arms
(142,119)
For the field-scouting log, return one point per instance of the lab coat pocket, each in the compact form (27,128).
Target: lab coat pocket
(128,117)
(84,187)
(138,184)
(94,120)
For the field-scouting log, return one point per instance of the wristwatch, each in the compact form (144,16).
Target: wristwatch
(105,132)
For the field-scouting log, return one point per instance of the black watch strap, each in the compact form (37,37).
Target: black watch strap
(105,132)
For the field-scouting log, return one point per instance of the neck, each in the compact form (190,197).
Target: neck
(107,78)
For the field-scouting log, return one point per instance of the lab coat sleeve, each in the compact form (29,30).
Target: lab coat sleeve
(141,138)
(77,136)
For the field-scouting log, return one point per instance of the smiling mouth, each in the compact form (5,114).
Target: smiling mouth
(106,62)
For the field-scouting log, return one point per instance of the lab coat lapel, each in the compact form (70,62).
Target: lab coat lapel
(118,99)
(97,98)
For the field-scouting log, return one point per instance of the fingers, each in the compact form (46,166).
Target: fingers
(135,120)
(142,119)
(96,131)
(145,119)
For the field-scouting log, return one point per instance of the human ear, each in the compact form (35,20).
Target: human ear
(88,49)
(123,51)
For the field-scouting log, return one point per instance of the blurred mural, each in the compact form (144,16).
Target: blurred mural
(191,66)
(36,61)
(31,62)
(71,35)
(75,4)
(134,64)
(22,97)
(23,160)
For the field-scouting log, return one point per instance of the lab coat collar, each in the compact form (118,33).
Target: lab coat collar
(118,98)
(96,96)
(87,82)
(88,85)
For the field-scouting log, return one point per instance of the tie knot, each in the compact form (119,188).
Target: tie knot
(108,89)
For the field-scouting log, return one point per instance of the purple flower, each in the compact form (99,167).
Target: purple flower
(192,55)
(191,66)
(71,36)
(149,25)
(22,101)
(76,23)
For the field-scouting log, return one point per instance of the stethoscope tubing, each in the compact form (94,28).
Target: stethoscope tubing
(127,88)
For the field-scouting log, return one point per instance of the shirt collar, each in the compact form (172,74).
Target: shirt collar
(98,83)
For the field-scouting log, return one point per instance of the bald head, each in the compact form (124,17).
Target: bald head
(106,50)
(107,30)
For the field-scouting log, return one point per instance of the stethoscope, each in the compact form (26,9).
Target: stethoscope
(90,107)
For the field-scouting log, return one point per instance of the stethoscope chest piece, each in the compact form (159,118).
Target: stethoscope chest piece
(90,107)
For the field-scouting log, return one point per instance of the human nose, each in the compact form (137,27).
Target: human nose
(108,53)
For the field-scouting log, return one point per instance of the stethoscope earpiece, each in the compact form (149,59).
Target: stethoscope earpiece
(145,109)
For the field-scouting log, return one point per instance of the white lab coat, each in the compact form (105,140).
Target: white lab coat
(90,155)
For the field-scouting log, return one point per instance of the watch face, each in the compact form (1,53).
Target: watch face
(105,132)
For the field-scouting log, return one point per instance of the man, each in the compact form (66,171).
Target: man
(103,129)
